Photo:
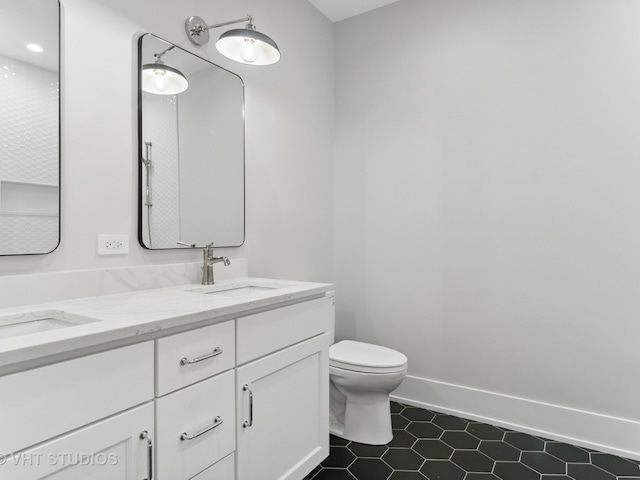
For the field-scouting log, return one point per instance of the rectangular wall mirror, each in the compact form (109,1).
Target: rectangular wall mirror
(29,126)
(191,149)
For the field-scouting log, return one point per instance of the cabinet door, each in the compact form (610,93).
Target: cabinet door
(283,412)
(112,449)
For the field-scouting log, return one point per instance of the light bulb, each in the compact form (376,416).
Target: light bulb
(159,80)
(249,50)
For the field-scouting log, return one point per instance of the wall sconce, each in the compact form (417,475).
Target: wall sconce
(162,79)
(244,45)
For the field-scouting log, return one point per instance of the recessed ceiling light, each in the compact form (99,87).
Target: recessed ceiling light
(35,48)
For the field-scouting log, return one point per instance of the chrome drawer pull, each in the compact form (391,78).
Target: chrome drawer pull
(185,361)
(216,423)
(144,435)
(249,423)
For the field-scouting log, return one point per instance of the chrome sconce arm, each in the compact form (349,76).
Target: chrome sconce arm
(244,45)
(198,30)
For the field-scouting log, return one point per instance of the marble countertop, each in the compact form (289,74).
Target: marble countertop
(142,314)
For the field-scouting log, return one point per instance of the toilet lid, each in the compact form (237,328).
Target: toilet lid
(365,357)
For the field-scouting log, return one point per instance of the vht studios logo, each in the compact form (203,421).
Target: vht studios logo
(59,459)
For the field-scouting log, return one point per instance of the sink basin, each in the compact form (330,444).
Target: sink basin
(240,289)
(36,322)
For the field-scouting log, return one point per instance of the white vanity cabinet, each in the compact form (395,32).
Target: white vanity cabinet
(85,397)
(283,412)
(112,449)
(283,397)
(246,398)
(195,404)
(264,416)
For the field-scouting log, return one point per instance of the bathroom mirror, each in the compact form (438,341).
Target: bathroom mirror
(29,126)
(191,149)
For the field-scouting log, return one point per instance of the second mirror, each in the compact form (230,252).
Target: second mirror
(191,149)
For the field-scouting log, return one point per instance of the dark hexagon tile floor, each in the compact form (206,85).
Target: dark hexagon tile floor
(436,446)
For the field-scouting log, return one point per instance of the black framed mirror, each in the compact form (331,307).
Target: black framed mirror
(29,126)
(191,149)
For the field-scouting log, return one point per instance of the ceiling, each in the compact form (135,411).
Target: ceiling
(337,10)
(30,21)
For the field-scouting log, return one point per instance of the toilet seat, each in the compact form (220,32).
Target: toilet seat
(366,358)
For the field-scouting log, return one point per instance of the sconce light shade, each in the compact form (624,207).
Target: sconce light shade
(248,46)
(161,79)
(244,45)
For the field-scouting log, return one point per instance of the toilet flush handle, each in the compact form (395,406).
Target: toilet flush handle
(249,423)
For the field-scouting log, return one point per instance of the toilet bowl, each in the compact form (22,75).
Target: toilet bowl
(362,376)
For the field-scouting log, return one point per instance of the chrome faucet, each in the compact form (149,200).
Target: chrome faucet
(209,261)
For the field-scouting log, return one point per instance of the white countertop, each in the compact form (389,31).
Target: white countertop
(143,313)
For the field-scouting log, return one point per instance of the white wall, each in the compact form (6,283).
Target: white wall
(487,206)
(289,118)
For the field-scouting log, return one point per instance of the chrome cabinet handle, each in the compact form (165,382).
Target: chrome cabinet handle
(216,423)
(145,435)
(249,423)
(185,361)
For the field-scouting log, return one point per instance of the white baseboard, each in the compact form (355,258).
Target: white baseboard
(604,433)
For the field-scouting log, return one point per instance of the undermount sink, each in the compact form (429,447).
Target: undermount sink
(28,323)
(240,289)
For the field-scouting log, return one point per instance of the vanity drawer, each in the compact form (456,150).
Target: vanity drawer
(48,401)
(192,412)
(223,470)
(192,356)
(266,332)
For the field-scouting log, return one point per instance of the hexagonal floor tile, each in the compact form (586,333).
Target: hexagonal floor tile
(424,430)
(436,446)
(499,450)
(339,457)
(401,438)
(442,470)
(581,471)
(333,474)
(514,471)
(403,459)
(362,450)
(457,439)
(370,469)
(485,432)
(472,461)
(567,453)
(543,462)
(524,441)
(481,476)
(616,465)
(407,476)
(398,421)
(449,422)
(337,441)
(433,449)
(417,414)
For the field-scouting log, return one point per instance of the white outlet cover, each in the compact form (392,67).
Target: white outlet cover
(113,244)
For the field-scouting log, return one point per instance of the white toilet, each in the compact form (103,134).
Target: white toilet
(362,377)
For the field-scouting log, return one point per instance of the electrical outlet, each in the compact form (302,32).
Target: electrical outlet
(113,244)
